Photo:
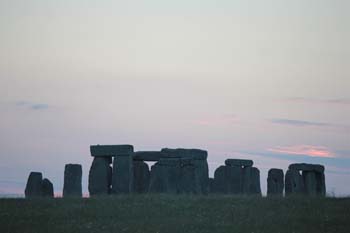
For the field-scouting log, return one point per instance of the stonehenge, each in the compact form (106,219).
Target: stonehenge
(118,169)
(237,176)
(72,180)
(37,186)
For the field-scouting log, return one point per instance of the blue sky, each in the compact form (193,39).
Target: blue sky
(266,80)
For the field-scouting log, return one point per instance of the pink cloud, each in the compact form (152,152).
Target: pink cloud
(309,150)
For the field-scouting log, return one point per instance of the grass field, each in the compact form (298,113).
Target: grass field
(163,213)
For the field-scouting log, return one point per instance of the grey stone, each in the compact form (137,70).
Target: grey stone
(239,162)
(122,177)
(275,182)
(310,183)
(47,188)
(141,177)
(307,167)
(72,180)
(196,154)
(294,183)
(320,184)
(251,181)
(34,185)
(110,150)
(148,155)
(228,180)
(100,176)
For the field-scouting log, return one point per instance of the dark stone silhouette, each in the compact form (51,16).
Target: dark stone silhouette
(148,155)
(110,150)
(34,185)
(251,181)
(141,177)
(72,180)
(275,182)
(122,176)
(239,162)
(311,181)
(100,176)
(47,188)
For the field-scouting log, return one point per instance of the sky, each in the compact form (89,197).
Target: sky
(263,80)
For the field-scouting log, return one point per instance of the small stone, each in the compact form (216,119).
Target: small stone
(47,188)
(72,180)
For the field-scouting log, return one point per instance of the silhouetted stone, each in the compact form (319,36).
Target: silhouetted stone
(320,184)
(251,181)
(147,155)
(307,167)
(34,185)
(122,177)
(100,176)
(199,161)
(228,180)
(47,188)
(141,177)
(310,183)
(110,150)
(72,180)
(275,182)
(173,175)
(239,162)
(294,183)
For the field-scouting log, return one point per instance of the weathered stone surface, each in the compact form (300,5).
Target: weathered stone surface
(251,181)
(200,163)
(228,180)
(148,155)
(47,188)
(122,177)
(310,182)
(141,177)
(110,150)
(307,167)
(239,162)
(34,185)
(173,175)
(320,184)
(195,154)
(275,182)
(294,183)
(100,176)
(72,180)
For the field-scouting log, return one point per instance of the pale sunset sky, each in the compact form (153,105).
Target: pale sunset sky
(263,80)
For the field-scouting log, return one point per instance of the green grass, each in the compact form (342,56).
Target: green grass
(166,213)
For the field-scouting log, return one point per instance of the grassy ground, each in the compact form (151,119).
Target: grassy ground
(162,213)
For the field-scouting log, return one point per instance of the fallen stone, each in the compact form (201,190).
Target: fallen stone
(307,167)
(122,176)
(110,150)
(294,183)
(239,162)
(34,185)
(100,176)
(141,177)
(72,180)
(47,188)
(275,182)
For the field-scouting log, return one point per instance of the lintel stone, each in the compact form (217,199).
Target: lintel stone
(110,150)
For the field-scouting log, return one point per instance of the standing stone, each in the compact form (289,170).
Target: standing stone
(310,183)
(275,182)
(72,180)
(122,178)
(321,184)
(294,183)
(228,180)
(141,177)
(100,176)
(33,186)
(47,188)
(251,181)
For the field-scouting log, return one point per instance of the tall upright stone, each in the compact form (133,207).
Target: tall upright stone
(251,181)
(122,178)
(100,176)
(141,177)
(294,183)
(72,180)
(228,180)
(275,182)
(34,185)
(47,188)
(310,182)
